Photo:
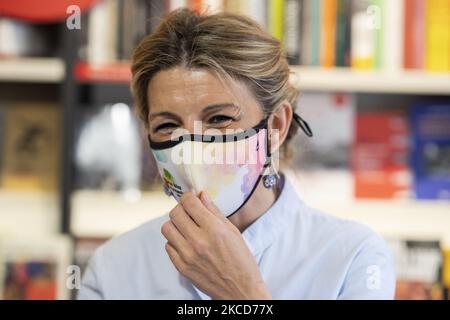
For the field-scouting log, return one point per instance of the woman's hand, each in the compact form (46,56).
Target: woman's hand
(208,249)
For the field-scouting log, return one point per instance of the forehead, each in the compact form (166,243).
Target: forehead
(193,88)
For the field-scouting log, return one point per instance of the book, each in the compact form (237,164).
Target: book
(431,150)
(393,13)
(306,33)
(131,27)
(376,20)
(276,18)
(343,34)
(292,31)
(316,14)
(414,34)
(330,116)
(418,265)
(446,268)
(437,17)
(102,34)
(380,155)
(328,33)
(196,5)
(20,38)
(35,268)
(362,37)
(32,147)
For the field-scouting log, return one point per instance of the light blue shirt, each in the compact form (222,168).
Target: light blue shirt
(301,252)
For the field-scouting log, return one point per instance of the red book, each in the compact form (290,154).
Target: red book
(380,155)
(414,37)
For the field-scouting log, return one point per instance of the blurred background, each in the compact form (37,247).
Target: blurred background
(75,169)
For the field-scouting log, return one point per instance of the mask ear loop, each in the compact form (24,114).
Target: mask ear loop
(270,175)
(303,125)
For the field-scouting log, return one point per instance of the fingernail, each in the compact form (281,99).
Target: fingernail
(205,196)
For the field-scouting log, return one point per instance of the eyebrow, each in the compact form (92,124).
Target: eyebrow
(215,107)
(208,109)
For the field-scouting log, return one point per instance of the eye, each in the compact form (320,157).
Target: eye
(219,119)
(165,128)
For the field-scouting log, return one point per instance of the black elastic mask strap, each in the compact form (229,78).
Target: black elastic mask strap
(303,124)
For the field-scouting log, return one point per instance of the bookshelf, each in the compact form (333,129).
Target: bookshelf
(74,83)
(40,70)
(347,80)
(309,79)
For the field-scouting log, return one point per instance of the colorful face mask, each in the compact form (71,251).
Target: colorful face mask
(228,167)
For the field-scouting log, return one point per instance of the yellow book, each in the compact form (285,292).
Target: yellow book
(437,30)
(446,269)
(276,17)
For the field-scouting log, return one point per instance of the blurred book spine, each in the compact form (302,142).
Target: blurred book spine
(392,24)
(276,18)
(328,33)
(292,31)
(414,36)
(418,267)
(380,155)
(362,37)
(437,17)
(342,54)
(431,150)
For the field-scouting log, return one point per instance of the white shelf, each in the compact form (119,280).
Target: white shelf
(347,80)
(104,213)
(46,70)
(29,213)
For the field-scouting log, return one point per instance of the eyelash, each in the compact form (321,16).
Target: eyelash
(170,125)
(164,126)
(223,117)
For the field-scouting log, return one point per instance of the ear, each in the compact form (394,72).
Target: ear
(279,124)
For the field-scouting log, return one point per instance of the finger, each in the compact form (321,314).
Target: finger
(195,208)
(173,235)
(175,258)
(183,222)
(206,200)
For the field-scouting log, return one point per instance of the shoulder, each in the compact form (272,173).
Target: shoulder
(321,225)
(363,256)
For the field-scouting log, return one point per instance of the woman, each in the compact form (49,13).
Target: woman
(233,235)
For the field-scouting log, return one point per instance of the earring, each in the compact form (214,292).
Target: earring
(270,179)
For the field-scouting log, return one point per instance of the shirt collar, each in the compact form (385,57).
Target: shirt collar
(264,231)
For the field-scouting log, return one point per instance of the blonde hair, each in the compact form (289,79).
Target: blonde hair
(229,45)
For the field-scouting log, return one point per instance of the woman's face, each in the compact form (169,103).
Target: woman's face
(178,97)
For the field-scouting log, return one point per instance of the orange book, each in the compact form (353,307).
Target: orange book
(328,33)
(196,5)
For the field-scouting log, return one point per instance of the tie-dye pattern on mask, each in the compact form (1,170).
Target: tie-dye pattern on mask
(228,171)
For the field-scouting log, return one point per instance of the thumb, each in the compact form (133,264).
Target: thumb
(206,200)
